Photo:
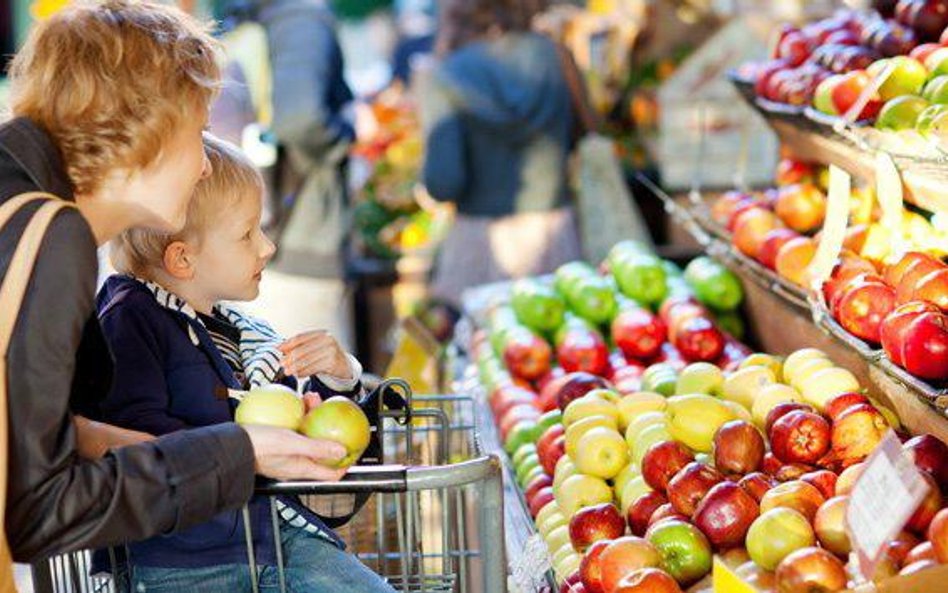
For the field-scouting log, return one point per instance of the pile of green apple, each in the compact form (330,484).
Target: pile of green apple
(337,419)
(636,492)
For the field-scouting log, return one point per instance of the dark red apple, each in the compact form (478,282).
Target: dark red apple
(824,480)
(572,584)
(638,333)
(593,523)
(550,446)
(699,340)
(590,568)
(575,385)
(930,454)
(541,498)
(725,515)
(800,437)
(770,465)
(641,510)
(583,350)
(782,409)
(738,448)
(927,509)
(527,355)
(689,486)
(662,461)
(536,484)
(894,326)
(757,484)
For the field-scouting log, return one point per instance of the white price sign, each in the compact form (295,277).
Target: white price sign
(882,501)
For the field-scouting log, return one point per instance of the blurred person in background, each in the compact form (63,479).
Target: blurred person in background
(499,124)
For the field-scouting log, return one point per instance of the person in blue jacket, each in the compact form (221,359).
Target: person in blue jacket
(183,359)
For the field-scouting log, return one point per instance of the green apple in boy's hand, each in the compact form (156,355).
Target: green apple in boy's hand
(271,405)
(340,420)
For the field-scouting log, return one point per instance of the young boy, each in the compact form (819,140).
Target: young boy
(182,357)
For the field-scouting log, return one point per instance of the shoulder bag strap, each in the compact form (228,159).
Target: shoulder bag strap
(579,98)
(12,291)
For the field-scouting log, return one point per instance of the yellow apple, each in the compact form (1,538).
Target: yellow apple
(825,384)
(581,427)
(633,405)
(693,419)
(550,509)
(567,566)
(587,406)
(564,469)
(796,359)
(558,537)
(625,474)
(740,412)
(808,369)
(759,359)
(633,489)
(743,385)
(551,522)
(655,433)
(271,405)
(607,394)
(341,420)
(699,377)
(769,397)
(582,491)
(642,422)
(602,452)
(560,554)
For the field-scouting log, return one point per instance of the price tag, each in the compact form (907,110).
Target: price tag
(889,192)
(834,228)
(534,562)
(725,580)
(882,501)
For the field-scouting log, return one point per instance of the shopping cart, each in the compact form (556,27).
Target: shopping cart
(433,518)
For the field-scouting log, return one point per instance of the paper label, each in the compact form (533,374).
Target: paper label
(834,228)
(725,580)
(882,501)
(889,192)
(534,562)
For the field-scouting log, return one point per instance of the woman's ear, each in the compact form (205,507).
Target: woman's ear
(179,260)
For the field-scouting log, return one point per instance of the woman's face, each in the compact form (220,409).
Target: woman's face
(167,184)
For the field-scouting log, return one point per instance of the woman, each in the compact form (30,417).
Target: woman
(109,101)
(499,133)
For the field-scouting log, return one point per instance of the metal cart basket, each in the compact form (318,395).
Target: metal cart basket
(433,521)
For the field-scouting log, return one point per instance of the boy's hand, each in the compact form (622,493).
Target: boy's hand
(315,352)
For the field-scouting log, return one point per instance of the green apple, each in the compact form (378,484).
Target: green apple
(933,121)
(602,453)
(526,464)
(530,475)
(936,90)
(271,405)
(587,406)
(700,377)
(633,405)
(624,249)
(567,565)
(641,422)
(823,96)
(593,299)
(568,274)
(775,534)
(521,453)
(732,322)
(907,77)
(523,432)
(560,555)
(580,491)
(714,284)
(578,430)
(548,419)
(642,278)
(685,551)
(900,113)
(537,305)
(937,63)
(341,420)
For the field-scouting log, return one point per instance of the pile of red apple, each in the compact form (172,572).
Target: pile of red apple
(902,309)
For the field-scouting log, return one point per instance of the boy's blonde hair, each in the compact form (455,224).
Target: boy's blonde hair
(233,178)
(112,81)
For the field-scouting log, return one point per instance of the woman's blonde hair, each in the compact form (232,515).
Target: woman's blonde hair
(233,178)
(112,82)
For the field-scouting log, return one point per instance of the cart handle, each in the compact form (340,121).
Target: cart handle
(393,478)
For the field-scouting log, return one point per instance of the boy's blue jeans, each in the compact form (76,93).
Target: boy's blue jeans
(312,565)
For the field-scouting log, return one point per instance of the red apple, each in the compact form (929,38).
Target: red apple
(757,484)
(750,228)
(917,567)
(576,385)
(848,90)
(641,510)
(527,355)
(514,416)
(550,447)
(847,267)
(540,499)
(921,52)
(797,495)
(830,526)
(648,580)
(856,433)
(723,208)
(664,513)
(725,515)
(699,339)
(800,437)
(801,207)
(930,454)
(862,307)
(593,523)
(536,484)
(638,333)
(923,551)
(689,486)
(895,272)
(572,584)
(938,535)
(781,409)
(624,556)
(912,274)
(583,350)
(662,461)
(770,465)
(507,396)
(924,351)
(927,509)
(773,241)
(812,570)
(837,404)
(894,325)
(824,480)
(792,171)
(590,568)
(738,448)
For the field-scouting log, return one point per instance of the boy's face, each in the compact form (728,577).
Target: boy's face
(229,263)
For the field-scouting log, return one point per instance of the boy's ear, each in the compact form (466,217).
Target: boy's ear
(179,260)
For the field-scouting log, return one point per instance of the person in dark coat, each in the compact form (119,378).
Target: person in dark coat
(124,145)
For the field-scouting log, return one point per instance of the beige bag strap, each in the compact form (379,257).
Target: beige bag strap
(12,291)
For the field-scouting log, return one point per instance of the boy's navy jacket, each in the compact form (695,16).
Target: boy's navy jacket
(164,383)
